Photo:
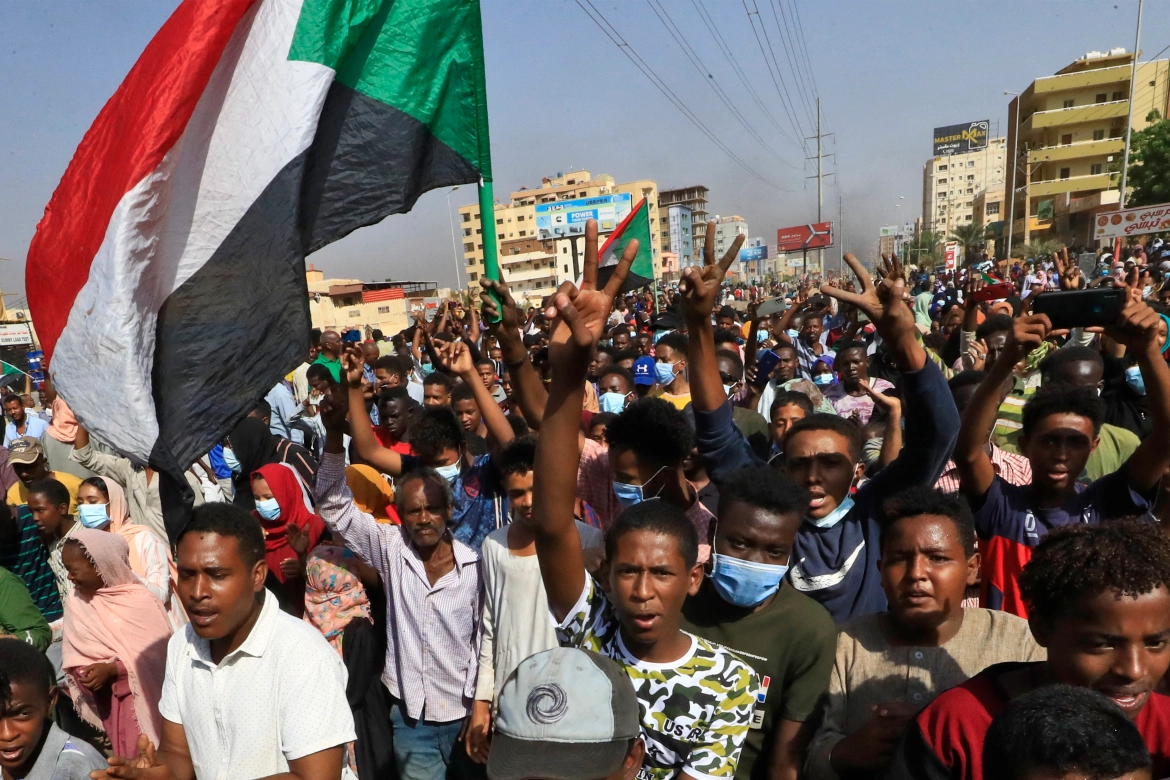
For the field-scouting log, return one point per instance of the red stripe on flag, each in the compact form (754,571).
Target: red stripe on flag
(128,140)
(617,232)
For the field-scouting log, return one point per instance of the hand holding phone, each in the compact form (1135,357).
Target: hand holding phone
(1097,307)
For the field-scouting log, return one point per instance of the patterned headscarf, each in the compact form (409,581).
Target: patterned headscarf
(334,596)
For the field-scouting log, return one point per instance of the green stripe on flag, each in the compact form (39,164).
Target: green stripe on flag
(423,57)
(635,225)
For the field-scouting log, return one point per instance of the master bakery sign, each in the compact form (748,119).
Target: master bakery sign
(1133,222)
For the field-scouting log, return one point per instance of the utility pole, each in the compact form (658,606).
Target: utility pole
(1137,41)
(820,177)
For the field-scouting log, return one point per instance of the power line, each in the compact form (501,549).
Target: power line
(729,55)
(793,66)
(647,71)
(664,17)
(804,47)
(774,72)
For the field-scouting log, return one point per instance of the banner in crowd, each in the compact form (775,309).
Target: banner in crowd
(167,277)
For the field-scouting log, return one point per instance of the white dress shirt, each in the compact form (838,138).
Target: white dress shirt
(280,696)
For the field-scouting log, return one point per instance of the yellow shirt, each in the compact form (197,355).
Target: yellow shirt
(680,401)
(18,493)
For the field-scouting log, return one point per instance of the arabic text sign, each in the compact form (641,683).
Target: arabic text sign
(1133,222)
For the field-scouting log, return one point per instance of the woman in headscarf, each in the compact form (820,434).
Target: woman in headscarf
(371,492)
(101,505)
(290,531)
(334,594)
(114,647)
(251,445)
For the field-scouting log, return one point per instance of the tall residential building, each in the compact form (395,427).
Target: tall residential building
(726,229)
(951,183)
(694,198)
(532,267)
(1071,142)
(681,242)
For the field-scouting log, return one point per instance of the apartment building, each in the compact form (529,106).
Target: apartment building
(1071,129)
(951,183)
(726,229)
(533,267)
(679,236)
(695,199)
(342,304)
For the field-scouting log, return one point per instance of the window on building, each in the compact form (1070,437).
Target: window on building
(1095,169)
(520,218)
(1068,104)
(1101,97)
(942,194)
(1066,139)
(523,232)
(942,167)
(967,218)
(481,246)
(1116,132)
(1098,135)
(467,231)
(1152,83)
(1119,95)
(992,209)
(564,250)
(466,217)
(1065,173)
(500,236)
(500,221)
(511,235)
(970,190)
(942,181)
(566,268)
(479,231)
(970,163)
(971,177)
(383,309)
(353,313)
(472,275)
(469,247)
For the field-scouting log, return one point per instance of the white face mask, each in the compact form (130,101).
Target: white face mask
(449,473)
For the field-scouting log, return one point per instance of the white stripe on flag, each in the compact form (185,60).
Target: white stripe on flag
(258,113)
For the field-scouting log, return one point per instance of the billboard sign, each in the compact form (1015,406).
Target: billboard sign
(566,218)
(14,334)
(960,139)
(1133,222)
(752,253)
(812,236)
(952,255)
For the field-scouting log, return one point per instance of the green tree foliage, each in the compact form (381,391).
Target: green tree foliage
(1149,166)
(971,237)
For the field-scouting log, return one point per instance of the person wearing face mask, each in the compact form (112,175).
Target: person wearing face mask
(750,422)
(251,445)
(889,665)
(670,369)
(837,544)
(745,605)
(291,529)
(615,388)
(822,372)
(648,444)
(480,503)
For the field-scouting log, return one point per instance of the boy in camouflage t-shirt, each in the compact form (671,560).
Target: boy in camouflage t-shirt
(696,700)
(695,711)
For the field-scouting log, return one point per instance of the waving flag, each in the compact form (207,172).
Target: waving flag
(635,225)
(167,278)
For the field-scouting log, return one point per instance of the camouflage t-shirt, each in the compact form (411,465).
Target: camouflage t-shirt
(695,711)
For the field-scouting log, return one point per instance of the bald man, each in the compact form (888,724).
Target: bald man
(330,356)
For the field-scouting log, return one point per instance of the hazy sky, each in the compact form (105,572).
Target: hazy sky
(563,97)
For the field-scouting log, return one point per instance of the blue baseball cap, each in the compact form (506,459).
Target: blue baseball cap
(644,371)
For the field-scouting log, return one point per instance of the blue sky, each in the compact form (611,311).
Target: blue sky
(563,97)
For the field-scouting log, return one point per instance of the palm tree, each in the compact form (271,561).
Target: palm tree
(971,237)
(1039,248)
(923,249)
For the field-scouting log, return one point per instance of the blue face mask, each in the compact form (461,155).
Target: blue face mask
(612,402)
(761,336)
(834,517)
(449,473)
(229,460)
(427,369)
(268,509)
(744,583)
(793,334)
(664,373)
(93,515)
(633,494)
(822,380)
(659,334)
(1135,380)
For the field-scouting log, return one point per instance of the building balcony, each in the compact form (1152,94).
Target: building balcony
(1109,198)
(1035,224)
(1100,181)
(1091,112)
(1078,150)
(524,257)
(530,274)
(1097,77)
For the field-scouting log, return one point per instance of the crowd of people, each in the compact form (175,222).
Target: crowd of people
(892,526)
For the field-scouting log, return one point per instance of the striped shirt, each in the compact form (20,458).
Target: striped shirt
(1015,470)
(27,558)
(432,631)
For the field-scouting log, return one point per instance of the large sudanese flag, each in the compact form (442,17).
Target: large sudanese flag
(166,278)
(636,225)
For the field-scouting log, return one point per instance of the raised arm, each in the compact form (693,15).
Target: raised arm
(360,428)
(1139,328)
(578,317)
(457,358)
(976,472)
(507,323)
(891,406)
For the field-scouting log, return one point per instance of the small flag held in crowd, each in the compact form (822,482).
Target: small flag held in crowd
(635,225)
(167,275)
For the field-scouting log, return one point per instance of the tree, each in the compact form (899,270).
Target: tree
(1149,166)
(924,249)
(971,237)
(1037,249)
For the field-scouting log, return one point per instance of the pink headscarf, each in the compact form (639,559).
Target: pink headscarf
(122,621)
(63,428)
(334,596)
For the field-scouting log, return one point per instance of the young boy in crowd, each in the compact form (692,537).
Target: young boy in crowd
(32,746)
(1064,733)
(892,664)
(48,501)
(1060,430)
(696,699)
(1099,598)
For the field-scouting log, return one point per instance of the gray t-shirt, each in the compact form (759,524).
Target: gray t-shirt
(65,758)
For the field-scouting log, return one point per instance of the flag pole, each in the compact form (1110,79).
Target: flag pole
(487,222)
